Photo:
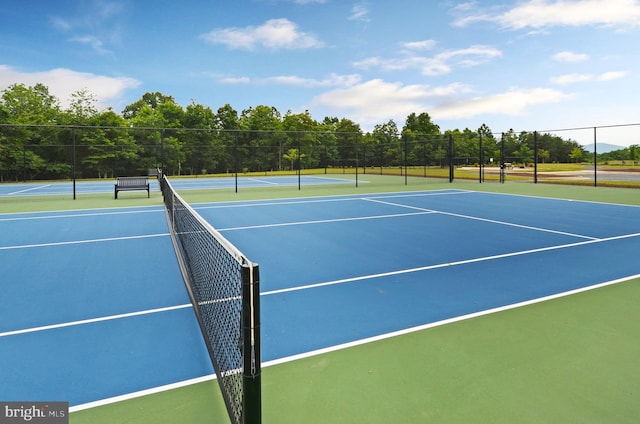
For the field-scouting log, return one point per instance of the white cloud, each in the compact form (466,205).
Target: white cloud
(511,103)
(376,100)
(63,82)
(96,44)
(61,24)
(359,12)
(608,76)
(332,80)
(97,25)
(234,80)
(577,78)
(440,64)
(547,13)
(570,57)
(273,34)
(420,45)
(571,78)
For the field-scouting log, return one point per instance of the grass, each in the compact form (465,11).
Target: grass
(572,359)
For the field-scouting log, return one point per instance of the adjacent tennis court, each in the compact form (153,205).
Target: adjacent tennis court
(192,183)
(95,310)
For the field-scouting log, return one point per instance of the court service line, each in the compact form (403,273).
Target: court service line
(271,203)
(79,215)
(64,243)
(262,181)
(322,221)
(28,189)
(94,320)
(493,221)
(448,264)
(326,199)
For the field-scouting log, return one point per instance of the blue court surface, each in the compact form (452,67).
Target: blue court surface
(94,306)
(190,183)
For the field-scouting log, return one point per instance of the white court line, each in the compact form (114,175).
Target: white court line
(142,393)
(447,321)
(262,181)
(64,243)
(354,343)
(79,215)
(449,264)
(323,221)
(493,221)
(28,189)
(310,286)
(326,199)
(92,320)
(271,203)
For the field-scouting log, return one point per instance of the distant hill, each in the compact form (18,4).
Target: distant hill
(603,147)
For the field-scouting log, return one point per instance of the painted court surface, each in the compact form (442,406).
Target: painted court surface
(95,307)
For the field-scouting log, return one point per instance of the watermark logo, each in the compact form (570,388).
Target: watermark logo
(34,412)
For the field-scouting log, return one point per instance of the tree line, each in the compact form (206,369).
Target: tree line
(39,139)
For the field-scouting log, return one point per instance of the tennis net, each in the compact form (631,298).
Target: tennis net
(224,289)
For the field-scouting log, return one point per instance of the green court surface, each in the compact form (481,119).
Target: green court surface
(570,359)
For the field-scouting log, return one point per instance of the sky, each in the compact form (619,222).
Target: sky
(523,65)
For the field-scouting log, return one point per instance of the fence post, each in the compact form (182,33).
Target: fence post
(481,158)
(502,162)
(595,156)
(450,158)
(73,160)
(535,157)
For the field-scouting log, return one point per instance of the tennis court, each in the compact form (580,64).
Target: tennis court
(191,183)
(95,308)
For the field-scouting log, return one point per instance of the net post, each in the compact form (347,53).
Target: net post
(251,378)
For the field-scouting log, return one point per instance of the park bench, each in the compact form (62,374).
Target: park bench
(132,183)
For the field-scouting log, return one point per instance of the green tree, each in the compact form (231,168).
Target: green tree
(199,147)
(300,130)
(634,152)
(257,145)
(543,155)
(107,148)
(388,150)
(81,108)
(489,142)
(227,120)
(29,150)
(424,139)
(152,100)
(576,154)
(292,157)
(348,134)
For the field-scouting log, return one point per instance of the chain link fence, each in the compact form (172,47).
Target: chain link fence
(568,156)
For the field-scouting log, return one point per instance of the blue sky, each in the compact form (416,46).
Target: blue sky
(526,65)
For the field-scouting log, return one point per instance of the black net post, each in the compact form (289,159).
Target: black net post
(252,407)
(224,289)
